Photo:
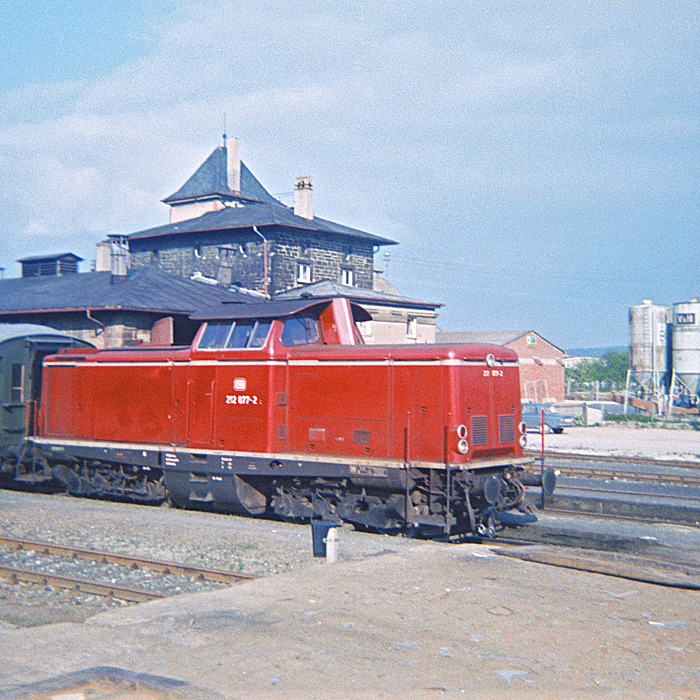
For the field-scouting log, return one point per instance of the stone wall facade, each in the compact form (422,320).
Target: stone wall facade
(232,257)
(108,329)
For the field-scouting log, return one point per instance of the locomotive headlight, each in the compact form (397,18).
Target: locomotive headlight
(490,360)
(462,432)
(523,440)
(463,447)
(523,428)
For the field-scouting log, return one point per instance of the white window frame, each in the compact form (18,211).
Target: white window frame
(347,277)
(304,273)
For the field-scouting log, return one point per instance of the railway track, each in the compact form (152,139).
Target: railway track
(626,488)
(683,474)
(106,589)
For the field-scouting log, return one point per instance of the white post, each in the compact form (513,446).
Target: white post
(332,546)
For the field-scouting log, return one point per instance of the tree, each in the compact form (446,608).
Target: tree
(610,372)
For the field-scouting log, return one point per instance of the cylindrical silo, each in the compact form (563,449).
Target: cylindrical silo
(685,355)
(648,343)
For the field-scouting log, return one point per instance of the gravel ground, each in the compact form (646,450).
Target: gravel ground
(248,545)
(254,546)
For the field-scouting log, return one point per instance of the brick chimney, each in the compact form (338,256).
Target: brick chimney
(233,165)
(304,198)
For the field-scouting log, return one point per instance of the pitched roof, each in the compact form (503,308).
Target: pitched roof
(491,337)
(144,289)
(256,214)
(211,179)
(59,256)
(329,289)
(259,207)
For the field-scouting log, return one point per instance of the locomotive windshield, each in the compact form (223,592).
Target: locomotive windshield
(230,335)
(300,330)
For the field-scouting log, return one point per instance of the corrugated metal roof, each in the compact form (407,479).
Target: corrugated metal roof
(144,289)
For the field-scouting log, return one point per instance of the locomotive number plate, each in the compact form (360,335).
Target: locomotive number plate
(243,400)
(362,470)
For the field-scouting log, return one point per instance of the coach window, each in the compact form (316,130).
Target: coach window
(17,389)
(300,330)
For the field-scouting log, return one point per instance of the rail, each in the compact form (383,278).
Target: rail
(109,590)
(166,568)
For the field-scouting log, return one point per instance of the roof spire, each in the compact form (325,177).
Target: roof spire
(224,129)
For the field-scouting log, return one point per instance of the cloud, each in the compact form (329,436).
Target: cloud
(430,122)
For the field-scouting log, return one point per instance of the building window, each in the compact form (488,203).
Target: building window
(347,277)
(412,328)
(304,273)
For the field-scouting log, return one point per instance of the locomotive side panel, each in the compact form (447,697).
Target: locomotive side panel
(339,408)
(201,386)
(241,405)
(128,403)
(59,398)
(418,412)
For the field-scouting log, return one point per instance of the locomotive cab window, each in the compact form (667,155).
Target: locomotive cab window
(300,330)
(229,335)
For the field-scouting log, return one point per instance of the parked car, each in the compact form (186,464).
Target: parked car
(554,422)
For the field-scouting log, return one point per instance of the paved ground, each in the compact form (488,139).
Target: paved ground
(420,622)
(623,441)
(436,620)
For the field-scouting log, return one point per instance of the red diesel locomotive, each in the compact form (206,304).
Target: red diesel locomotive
(279,408)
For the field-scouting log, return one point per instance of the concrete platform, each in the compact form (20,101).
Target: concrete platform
(431,621)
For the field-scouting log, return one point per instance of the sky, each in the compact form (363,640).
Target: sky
(537,163)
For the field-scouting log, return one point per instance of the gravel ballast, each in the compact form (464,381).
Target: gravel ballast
(258,547)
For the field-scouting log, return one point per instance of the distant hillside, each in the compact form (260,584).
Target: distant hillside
(596,352)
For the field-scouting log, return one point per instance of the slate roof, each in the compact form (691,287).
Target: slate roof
(59,256)
(211,179)
(144,289)
(256,214)
(259,208)
(328,288)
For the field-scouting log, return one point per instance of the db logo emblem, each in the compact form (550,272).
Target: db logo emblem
(240,384)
